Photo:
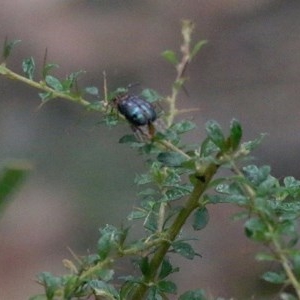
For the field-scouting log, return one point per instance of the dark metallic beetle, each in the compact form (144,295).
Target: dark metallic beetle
(137,111)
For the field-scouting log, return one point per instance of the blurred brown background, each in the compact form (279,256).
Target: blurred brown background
(250,70)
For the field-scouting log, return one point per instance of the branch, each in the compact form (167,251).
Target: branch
(192,203)
(42,86)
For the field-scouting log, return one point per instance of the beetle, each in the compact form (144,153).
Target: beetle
(137,111)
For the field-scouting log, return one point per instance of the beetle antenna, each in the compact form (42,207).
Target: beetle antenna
(131,85)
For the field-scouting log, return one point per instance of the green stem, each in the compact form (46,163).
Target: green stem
(187,30)
(191,204)
(275,242)
(170,146)
(287,267)
(42,86)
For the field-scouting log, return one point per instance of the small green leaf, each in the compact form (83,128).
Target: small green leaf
(208,148)
(236,133)
(291,182)
(170,56)
(136,215)
(256,230)
(178,192)
(8,47)
(10,180)
(92,90)
(54,83)
(119,91)
(150,95)
(292,186)
(201,218)
(127,287)
(104,246)
(265,257)
(233,188)
(111,120)
(296,264)
(170,135)
(167,286)
(166,269)
(91,259)
(215,199)
(184,249)
(193,295)
(144,265)
(28,66)
(71,79)
(105,274)
(128,138)
(74,75)
(147,192)
(45,96)
(150,222)
(273,277)
(215,133)
(256,175)
(47,68)
(142,179)
(107,241)
(251,145)
(95,106)
(234,198)
(198,47)
(183,126)
(70,283)
(155,294)
(103,289)
(50,282)
(171,159)
(268,186)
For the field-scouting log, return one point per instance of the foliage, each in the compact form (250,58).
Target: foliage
(181,182)
(12,175)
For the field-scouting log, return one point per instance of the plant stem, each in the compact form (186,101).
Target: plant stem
(191,204)
(187,30)
(42,86)
(287,267)
(274,241)
(170,146)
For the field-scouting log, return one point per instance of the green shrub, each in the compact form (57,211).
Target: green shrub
(181,182)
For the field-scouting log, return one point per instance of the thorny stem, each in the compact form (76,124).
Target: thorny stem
(276,243)
(170,146)
(191,204)
(42,86)
(286,266)
(187,30)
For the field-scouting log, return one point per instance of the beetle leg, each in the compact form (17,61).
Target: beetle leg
(138,132)
(151,129)
(143,134)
